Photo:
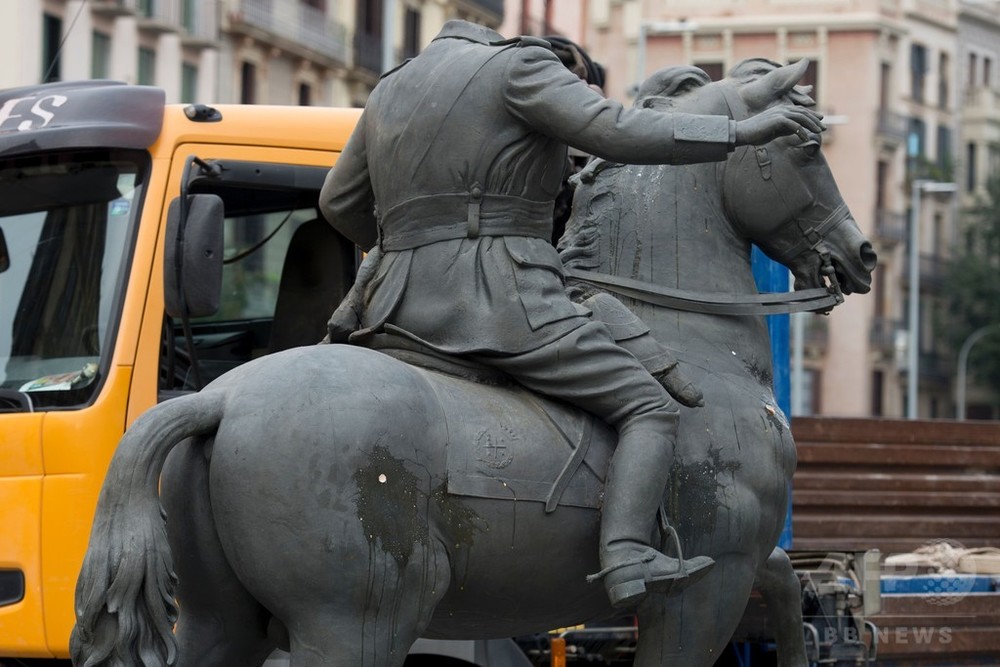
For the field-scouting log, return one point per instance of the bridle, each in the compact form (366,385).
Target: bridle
(814,235)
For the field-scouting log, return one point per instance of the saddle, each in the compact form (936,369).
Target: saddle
(537,449)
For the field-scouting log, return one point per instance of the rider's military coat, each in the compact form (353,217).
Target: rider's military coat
(453,170)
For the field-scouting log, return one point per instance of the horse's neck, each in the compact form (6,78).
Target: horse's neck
(664,225)
(667,226)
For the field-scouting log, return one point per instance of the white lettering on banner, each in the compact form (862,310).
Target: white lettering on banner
(40,113)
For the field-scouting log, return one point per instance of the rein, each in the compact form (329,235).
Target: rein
(816,300)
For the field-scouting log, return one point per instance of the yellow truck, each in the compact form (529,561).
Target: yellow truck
(88,172)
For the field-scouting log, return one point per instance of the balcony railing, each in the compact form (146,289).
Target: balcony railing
(982,100)
(883,333)
(892,125)
(200,20)
(933,272)
(113,7)
(492,6)
(817,331)
(306,27)
(890,226)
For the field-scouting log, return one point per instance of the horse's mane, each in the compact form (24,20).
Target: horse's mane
(669,82)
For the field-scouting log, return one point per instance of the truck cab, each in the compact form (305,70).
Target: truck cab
(88,172)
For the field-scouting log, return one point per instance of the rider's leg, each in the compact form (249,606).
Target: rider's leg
(634,335)
(587,368)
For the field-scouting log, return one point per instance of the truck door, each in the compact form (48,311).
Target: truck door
(284,268)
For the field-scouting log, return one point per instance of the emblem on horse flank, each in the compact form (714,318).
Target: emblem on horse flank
(493,448)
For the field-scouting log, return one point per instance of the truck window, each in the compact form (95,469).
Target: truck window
(284,272)
(68,220)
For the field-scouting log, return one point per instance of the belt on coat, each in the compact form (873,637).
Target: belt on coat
(443,217)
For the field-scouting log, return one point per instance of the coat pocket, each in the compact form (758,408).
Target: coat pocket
(538,278)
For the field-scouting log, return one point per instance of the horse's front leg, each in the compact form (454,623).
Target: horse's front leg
(779,586)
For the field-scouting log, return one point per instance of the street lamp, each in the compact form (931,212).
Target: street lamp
(919,187)
(963,361)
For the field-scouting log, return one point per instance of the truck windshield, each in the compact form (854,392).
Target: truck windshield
(67,221)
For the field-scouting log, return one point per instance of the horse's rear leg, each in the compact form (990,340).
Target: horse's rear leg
(220,624)
(782,593)
(379,611)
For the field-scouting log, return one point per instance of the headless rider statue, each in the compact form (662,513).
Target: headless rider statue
(449,180)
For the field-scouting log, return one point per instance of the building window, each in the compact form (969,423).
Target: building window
(248,83)
(147,66)
(189,83)
(810,402)
(369,17)
(943,87)
(878,287)
(939,246)
(918,71)
(411,33)
(51,41)
(972,70)
(970,167)
(713,70)
(315,4)
(915,142)
(881,183)
(100,55)
(146,8)
(987,74)
(944,148)
(305,95)
(878,387)
(189,16)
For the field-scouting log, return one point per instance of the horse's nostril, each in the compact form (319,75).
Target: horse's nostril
(868,256)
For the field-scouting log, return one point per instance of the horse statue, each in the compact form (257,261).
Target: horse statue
(341,501)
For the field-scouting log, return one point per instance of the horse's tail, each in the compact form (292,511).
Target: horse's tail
(125,608)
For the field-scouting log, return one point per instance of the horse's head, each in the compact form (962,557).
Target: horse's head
(782,195)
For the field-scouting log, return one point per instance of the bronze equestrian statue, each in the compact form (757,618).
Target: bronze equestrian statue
(341,502)
(452,172)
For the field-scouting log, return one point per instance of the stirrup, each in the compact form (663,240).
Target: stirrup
(648,556)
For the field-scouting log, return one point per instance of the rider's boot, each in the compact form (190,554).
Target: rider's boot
(637,477)
(634,335)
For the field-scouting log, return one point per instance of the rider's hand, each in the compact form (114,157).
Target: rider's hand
(681,388)
(777,122)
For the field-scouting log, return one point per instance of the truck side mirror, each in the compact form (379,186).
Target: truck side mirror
(4,255)
(192,258)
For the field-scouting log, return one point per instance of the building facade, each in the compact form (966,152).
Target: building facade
(310,52)
(978,84)
(886,73)
(909,89)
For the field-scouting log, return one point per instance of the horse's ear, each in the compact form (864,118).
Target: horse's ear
(775,84)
